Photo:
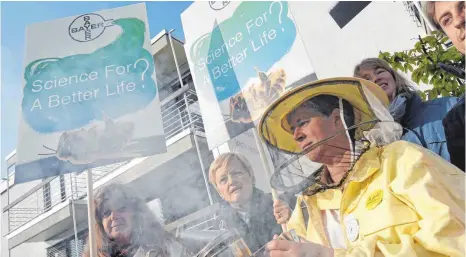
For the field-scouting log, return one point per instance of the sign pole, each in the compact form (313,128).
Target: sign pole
(73,197)
(91,214)
(174,57)
(266,167)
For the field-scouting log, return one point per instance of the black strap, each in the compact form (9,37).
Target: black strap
(305,212)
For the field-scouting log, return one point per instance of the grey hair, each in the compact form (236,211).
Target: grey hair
(225,159)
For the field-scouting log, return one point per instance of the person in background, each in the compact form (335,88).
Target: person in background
(448,17)
(247,209)
(422,121)
(373,194)
(125,227)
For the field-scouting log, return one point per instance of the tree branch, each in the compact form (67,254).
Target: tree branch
(459,82)
(425,50)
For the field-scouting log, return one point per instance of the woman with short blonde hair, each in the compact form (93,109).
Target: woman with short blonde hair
(247,209)
(224,159)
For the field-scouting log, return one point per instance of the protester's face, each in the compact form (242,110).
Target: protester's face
(383,78)
(118,223)
(309,127)
(233,182)
(450,16)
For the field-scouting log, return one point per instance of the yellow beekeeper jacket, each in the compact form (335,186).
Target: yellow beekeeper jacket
(401,200)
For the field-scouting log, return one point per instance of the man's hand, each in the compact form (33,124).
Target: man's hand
(285,248)
(281,211)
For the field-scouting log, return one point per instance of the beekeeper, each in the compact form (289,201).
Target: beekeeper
(363,191)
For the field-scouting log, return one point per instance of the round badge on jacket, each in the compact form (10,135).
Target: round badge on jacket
(352,227)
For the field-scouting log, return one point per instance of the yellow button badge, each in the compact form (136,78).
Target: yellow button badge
(374,199)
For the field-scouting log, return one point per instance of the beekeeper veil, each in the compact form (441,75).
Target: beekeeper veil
(365,122)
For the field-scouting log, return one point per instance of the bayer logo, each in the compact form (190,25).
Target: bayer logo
(218,5)
(88,27)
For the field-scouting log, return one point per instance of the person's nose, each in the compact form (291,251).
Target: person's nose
(459,18)
(298,135)
(376,78)
(231,180)
(113,215)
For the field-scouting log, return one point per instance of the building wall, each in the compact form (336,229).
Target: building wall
(40,249)
(4,251)
(32,249)
(334,51)
(16,191)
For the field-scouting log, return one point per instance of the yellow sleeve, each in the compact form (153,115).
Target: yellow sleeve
(435,189)
(296,220)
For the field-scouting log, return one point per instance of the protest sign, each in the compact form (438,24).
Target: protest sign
(243,56)
(89,94)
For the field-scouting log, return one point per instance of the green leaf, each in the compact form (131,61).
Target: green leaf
(424,95)
(444,39)
(437,81)
(449,87)
(432,80)
(445,93)
(416,76)
(384,55)
(424,70)
(425,78)
(405,66)
(433,94)
(410,67)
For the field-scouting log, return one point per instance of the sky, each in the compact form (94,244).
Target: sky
(15,16)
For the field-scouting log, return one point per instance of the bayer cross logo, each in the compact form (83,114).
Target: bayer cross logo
(218,5)
(88,27)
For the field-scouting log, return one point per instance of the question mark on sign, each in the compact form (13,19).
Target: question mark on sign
(147,67)
(280,14)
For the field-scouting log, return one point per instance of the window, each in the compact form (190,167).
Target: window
(11,169)
(67,247)
(344,12)
(54,192)
(47,197)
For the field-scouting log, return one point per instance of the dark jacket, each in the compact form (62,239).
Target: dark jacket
(454,132)
(423,123)
(262,224)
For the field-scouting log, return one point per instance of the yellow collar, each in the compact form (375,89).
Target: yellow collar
(366,166)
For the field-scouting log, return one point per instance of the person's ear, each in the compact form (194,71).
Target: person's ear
(336,118)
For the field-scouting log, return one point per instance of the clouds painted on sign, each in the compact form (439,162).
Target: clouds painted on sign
(125,51)
(270,16)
